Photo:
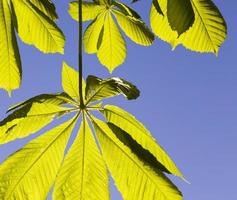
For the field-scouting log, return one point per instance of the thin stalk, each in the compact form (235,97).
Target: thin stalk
(80,53)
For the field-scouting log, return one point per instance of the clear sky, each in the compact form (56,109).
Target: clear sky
(188,100)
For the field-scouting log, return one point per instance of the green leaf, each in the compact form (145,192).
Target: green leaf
(209,29)
(10,64)
(83,174)
(140,134)
(35,28)
(90,10)
(134,179)
(98,89)
(207,33)
(31,171)
(112,51)
(70,82)
(180,15)
(29,117)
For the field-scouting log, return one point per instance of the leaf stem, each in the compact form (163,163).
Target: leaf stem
(80,54)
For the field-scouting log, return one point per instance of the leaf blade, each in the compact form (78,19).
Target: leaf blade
(133,178)
(112,51)
(37,165)
(10,63)
(35,28)
(140,134)
(98,89)
(82,164)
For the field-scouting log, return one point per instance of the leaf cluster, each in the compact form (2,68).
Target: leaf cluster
(120,145)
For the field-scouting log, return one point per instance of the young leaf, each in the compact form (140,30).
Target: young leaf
(133,178)
(70,82)
(180,15)
(10,64)
(98,89)
(31,171)
(140,134)
(83,174)
(103,36)
(207,33)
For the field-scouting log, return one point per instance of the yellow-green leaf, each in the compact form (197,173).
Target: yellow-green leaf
(134,179)
(90,10)
(112,51)
(28,119)
(83,174)
(98,89)
(70,82)
(31,171)
(10,64)
(209,29)
(92,34)
(134,28)
(37,29)
(140,134)
(207,33)
(47,7)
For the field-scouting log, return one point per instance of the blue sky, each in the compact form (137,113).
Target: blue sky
(188,100)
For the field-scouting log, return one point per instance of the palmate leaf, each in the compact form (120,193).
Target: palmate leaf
(30,173)
(35,25)
(207,33)
(141,181)
(83,174)
(127,150)
(103,36)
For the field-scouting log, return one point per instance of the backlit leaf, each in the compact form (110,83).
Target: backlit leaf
(27,120)
(47,7)
(112,51)
(98,89)
(140,134)
(70,82)
(10,64)
(207,33)
(35,28)
(90,10)
(83,174)
(180,15)
(134,179)
(31,171)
